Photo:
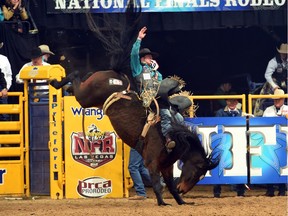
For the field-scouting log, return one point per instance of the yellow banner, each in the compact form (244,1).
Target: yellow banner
(93,153)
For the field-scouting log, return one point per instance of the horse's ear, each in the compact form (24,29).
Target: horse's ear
(212,165)
(213,161)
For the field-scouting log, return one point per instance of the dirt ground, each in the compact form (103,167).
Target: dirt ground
(253,204)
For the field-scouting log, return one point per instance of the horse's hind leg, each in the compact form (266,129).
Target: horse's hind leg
(59,84)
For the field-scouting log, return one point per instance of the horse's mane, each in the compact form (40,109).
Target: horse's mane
(188,140)
(118,36)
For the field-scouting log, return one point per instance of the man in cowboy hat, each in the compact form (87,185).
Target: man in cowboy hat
(46,52)
(275,75)
(36,60)
(145,71)
(5,81)
(230,110)
(276,72)
(278,109)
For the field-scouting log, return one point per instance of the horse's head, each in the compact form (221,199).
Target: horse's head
(195,162)
(193,170)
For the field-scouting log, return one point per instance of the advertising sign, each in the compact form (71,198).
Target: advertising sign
(268,150)
(93,153)
(119,6)
(258,145)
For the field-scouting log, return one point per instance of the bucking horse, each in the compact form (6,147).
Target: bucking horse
(110,90)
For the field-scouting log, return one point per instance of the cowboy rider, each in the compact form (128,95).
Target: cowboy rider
(145,71)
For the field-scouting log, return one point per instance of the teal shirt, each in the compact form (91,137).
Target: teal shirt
(135,63)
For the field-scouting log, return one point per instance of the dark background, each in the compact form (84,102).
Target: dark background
(201,47)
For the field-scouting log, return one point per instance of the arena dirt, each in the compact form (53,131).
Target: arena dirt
(254,204)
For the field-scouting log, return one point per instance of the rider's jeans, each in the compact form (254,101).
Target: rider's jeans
(166,119)
(137,172)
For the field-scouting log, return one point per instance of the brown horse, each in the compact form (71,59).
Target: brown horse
(128,116)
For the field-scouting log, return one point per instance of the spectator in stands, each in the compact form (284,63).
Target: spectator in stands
(230,110)
(275,75)
(278,109)
(46,52)
(36,60)
(138,173)
(14,10)
(5,81)
(4,92)
(223,89)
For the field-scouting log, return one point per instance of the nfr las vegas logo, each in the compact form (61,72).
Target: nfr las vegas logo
(99,149)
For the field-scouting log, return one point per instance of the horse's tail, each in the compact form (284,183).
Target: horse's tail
(119,36)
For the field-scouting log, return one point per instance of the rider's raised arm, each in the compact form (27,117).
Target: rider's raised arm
(135,63)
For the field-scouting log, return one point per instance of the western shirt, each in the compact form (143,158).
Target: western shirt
(271,111)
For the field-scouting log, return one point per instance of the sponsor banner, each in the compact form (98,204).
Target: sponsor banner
(94,187)
(268,149)
(93,156)
(96,150)
(119,6)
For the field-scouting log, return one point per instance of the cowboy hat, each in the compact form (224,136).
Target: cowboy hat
(278,92)
(45,49)
(35,53)
(145,51)
(1,45)
(283,49)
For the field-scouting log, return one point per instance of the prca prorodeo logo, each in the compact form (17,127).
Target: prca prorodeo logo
(94,187)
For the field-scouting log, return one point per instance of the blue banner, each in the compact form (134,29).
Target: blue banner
(268,150)
(265,138)
(119,6)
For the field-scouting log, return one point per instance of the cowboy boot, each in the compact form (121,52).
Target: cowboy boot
(170,144)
